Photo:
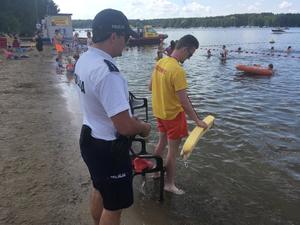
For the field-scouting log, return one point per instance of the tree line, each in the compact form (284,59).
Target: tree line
(235,20)
(21,16)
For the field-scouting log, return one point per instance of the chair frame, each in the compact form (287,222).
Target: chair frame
(159,167)
(143,154)
(134,106)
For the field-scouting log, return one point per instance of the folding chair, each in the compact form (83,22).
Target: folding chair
(142,161)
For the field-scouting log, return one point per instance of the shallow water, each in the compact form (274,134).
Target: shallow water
(246,169)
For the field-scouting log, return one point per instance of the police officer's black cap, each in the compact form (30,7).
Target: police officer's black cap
(108,21)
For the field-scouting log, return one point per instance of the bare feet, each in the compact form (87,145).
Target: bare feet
(174,189)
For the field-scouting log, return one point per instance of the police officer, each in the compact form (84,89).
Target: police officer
(107,120)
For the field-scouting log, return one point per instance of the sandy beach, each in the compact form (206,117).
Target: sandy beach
(43,178)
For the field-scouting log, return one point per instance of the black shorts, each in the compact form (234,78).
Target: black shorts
(111,174)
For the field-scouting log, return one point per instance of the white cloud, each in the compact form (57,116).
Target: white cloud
(150,9)
(285,5)
(138,9)
(292,11)
(255,7)
(195,9)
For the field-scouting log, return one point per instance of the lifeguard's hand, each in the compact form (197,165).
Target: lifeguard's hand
(146,129)
(201,124)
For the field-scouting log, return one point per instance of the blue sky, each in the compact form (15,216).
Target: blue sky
(151,9)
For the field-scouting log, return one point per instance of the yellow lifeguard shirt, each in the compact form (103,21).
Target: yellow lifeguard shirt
(168,77)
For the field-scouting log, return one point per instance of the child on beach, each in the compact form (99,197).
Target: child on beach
(59,66)
(70,66)
(70,69)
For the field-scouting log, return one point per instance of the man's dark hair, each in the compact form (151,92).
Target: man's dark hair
(188,41)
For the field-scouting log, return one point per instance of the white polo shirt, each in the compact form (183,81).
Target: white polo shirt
(103,92)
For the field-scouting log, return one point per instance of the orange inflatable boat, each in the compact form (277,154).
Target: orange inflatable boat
(256,70)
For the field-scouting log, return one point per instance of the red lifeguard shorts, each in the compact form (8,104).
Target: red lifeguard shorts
(175,128)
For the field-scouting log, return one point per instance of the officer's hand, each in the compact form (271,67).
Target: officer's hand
(146,129)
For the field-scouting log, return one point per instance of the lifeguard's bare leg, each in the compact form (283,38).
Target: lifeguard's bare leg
(171,166)
(161,145)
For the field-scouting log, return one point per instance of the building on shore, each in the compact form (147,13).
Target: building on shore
(61,22)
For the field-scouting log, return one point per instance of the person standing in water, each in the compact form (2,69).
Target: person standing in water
(209,53)
(170,104)
(168,51)
(89,41)
(224,53)
(160,50)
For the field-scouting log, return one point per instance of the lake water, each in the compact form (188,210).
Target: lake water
(246,169)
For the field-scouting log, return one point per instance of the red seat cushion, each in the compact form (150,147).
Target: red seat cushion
(140,164)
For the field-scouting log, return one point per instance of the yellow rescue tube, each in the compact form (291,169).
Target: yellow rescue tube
(195,136)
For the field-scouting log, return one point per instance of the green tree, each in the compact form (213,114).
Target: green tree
(20,16)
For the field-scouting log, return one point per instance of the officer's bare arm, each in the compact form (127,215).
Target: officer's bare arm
(128,126)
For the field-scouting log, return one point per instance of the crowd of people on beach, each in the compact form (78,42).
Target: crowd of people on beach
(68,52)
(13,48)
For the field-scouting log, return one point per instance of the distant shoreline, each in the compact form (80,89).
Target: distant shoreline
(235,20)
